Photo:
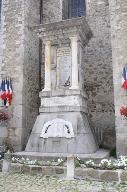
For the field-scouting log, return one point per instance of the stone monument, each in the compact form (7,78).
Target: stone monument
(62,127)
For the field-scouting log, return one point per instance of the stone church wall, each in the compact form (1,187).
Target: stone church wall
(0,47)
(31,67)
(52,11)
(98,70)
(20,62)
(118,13)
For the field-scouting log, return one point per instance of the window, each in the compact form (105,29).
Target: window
(77,8)
(0,9)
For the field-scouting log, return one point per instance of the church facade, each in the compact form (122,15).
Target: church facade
(22,59)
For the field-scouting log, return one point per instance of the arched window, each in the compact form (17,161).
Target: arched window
(77,8)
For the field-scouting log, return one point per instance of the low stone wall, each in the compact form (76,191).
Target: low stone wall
(80,173)
(34,169)
(101,175)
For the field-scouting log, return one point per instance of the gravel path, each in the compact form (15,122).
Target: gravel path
(29,183)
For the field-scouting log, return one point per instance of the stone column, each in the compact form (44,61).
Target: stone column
(47,86)
(75,72)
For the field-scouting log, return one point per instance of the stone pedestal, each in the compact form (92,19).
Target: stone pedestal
(62,126)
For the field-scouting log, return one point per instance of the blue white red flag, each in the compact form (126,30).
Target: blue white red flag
(6,91)
(124,78)
(10,91)
(2,90)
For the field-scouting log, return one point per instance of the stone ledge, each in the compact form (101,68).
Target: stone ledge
(64,29)
(80,173)
(97,156)
(63,109)
(62,92)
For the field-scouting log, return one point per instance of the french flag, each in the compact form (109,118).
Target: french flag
(6,91)
(124,78)
(10,90)
(2,90)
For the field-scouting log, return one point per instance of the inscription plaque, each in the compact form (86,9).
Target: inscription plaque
(64,67)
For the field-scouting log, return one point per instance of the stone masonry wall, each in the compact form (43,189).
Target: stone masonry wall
(52,11)
(98,71)
(0,47)
(12,64)
(30,68)
(20,62)
(118,13)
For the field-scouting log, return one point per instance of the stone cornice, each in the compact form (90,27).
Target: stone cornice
(63,30)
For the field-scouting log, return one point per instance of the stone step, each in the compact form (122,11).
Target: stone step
(97,156)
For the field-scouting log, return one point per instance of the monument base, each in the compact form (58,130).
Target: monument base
(62,126)
(97,156)
(64,132)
